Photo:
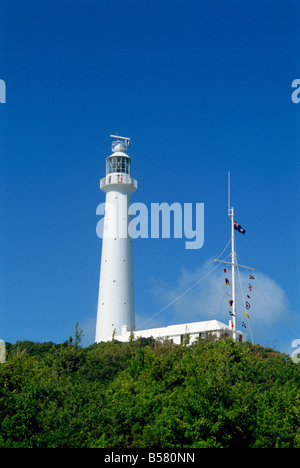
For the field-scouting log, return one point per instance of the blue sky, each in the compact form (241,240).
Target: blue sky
(201,88)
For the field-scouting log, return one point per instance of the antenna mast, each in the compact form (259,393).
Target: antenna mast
(228,192)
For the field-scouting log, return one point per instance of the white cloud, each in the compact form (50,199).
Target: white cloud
(269,307)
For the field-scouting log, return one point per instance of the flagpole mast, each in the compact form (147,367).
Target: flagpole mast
(233,263)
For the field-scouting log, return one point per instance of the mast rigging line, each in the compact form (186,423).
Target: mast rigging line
(186,291)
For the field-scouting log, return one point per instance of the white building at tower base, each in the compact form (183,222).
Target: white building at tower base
(185,332)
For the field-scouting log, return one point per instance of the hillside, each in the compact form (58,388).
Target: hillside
(148,394)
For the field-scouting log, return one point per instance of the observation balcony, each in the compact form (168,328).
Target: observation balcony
(118,179)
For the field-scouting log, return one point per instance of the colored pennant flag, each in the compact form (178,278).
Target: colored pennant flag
(225,270)
(250,287)
(246,315)
(247,305)
(244,325)
(227,281)
(230,302)
(231,314)
(251,277)
(238,227)
(248,296)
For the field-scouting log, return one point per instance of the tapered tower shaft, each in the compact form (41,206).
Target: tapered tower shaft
(116,292)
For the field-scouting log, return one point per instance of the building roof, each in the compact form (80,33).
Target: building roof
(183,328)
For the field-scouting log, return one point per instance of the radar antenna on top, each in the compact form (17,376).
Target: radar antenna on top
(120,144)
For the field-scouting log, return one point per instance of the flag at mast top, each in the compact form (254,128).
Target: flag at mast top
(238,227)
(230,211)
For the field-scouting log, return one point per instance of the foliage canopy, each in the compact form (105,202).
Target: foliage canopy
(148,394)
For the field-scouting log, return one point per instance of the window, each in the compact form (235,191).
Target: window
(185,339)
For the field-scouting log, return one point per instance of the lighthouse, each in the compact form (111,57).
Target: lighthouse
(116,295)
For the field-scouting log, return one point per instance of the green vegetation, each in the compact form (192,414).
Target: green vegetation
(148,393)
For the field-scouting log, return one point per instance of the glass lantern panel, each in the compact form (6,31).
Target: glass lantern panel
(118,164)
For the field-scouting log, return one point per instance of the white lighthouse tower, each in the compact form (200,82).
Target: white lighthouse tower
(116,298)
